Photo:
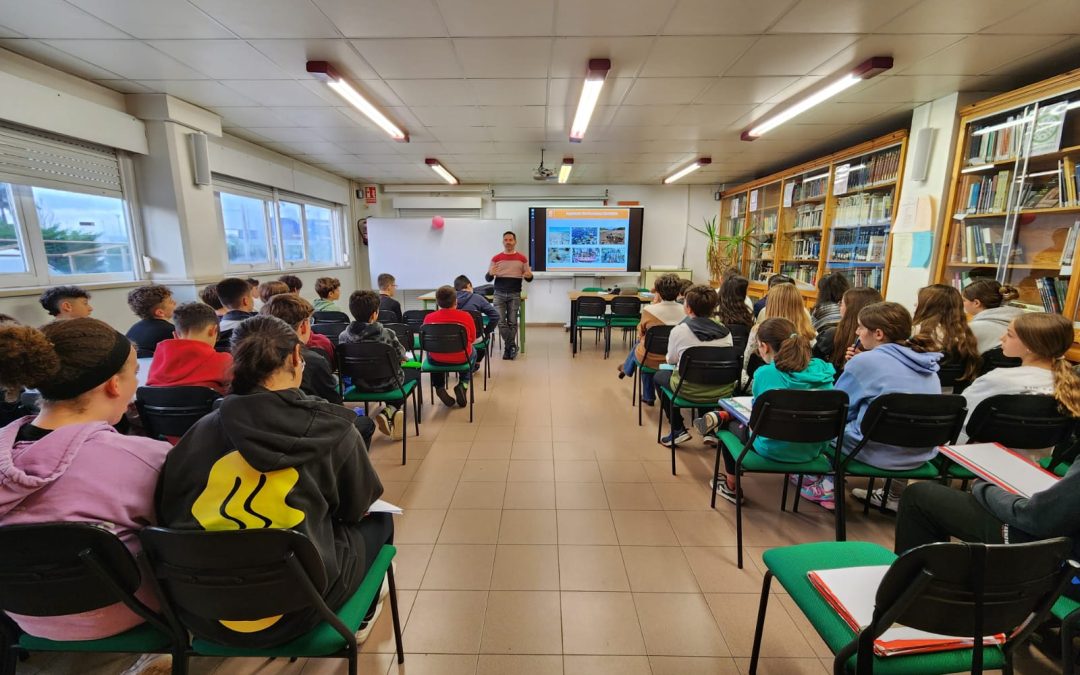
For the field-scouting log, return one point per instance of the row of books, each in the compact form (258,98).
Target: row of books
(995,145)
(809,216)
(987,194)
(862,277)
(882,167)
(858,245)
(807,273)
(764,222)
(981,243)
(1047,190)
(863,208)
(811,189)
(806,248)
(1052,292)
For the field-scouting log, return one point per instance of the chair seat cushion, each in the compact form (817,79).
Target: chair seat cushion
(142,638)
(791,564)
(857,468)
(322,639)
(430,367)
(646,369)
(625,321)
(1064,607)
(756,463)
(351,394)
(416,341)
(591,322)
(681,402)
(1060,469)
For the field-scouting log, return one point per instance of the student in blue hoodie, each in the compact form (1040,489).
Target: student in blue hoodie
(884,360)
(788,365)
(468,301)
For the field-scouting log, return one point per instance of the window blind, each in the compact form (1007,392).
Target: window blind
(46,160)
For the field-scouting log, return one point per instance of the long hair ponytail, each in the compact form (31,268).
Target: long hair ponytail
(791,349)
(1049,336)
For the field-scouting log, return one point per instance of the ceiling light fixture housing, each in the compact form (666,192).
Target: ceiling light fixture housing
(590,94)
(324,71)
(438,168)
(686,171)
(565,169)
(784,112)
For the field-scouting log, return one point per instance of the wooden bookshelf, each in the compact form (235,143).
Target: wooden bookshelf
(834,214)
(1013,198)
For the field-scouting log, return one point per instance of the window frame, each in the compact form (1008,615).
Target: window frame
(269,228)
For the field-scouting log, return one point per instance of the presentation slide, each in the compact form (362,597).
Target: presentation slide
(587,239)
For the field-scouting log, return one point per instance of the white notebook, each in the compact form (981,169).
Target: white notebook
(1001,466)
(382,506)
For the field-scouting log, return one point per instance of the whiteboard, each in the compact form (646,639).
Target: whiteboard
(422,257)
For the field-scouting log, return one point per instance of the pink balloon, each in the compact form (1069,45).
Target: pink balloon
(437,222)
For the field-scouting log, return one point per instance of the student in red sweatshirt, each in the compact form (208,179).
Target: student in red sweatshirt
(190,359)
(446,299)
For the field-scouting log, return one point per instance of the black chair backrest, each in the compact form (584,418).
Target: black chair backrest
(1026,421)
(224,341)
(656,339)
(389,316)
(368,361)
(801,416)
(330,317)
(171,411)
(591,306)
(995,358)
(949,374)
(971,590)
(625,305)
(443,338)
(914,420)
(234,575)
(54,569)
(478,322)
(415,318)
(332,330)
(709,366)
(740,336)
(404,333)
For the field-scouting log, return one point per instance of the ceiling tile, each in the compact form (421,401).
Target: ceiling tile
(276,93)
(206,93)
(1061,14)
(905,52)
(504,57)
(8,33)
(126,86)
(221,59)
(567,92)
(378,18)
(518,134)
(513,116)
(666,90)
(287,134)
(448,115)
(560,118)
(411,58)
(610,17)
(917,89)
(570,56)
(1063,54)
(852,114)
(314,117)
(712,115)
(954,16)
(685,56)
(51,56)
(149,19)
(53,19)
(789,54)
(250,116)
(978,54)
(269,18)
(509,92)
(839,16)
(292,56)
(724,17)
(434,92)
(470,148)
(645,115)
(745,89)
(449,134)
(128,58)
(498,17)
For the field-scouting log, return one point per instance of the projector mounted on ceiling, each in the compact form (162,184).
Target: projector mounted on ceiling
(542,173)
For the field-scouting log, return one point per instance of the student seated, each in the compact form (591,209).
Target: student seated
(785,302)
(940,324)
(210,297)
(235,296)
(467,301)
(984,301)
(253,284)
(826,311)
(446,299)
(733,308)
(269,289)
(888,361)
(312,461)
(773,281)
(698,329)
(364,306)
(189,360)
(664,311)
(833,342)
(318,378)
(12,404)
(329,291)
(387,303)
(316,341)
(66,302)
(154,306)
(293,282)
(788,365)
(68,464)
(684,286)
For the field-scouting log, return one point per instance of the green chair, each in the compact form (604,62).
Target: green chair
(247,575)
(54,569)
(374,361)
(591,315)
(1067,611)
(784,415)
(446,338)
(946,588)
(906,421)
(625,314)
(656,342)
(701,366)
(414,319)
(405,336)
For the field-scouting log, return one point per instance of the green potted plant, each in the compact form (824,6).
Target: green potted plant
(723,251)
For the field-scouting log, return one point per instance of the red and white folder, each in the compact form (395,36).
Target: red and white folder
(1001,466)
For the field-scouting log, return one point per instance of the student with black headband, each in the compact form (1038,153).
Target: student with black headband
(68,463)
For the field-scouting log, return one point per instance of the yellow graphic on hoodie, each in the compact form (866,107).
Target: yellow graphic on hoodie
(238,497)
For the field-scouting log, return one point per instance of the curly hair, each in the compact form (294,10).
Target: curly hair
(731,309)
(941,326)
(668,286)
(145,299)
(56,354)
(1049,336)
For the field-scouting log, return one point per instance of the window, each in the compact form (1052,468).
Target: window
(268,230)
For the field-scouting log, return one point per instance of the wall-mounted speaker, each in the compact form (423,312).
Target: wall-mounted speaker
(200,154)
(920,153)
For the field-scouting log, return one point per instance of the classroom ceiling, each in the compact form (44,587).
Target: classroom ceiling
(482,85)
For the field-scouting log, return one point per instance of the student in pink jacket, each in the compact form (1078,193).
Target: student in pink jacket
(68,463)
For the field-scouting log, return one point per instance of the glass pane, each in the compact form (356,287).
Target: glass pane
(320,233)
(292,238)
(244,219)
(83,234)
(12,249)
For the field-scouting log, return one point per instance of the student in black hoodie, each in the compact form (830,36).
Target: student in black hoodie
(154,306)
(301,457)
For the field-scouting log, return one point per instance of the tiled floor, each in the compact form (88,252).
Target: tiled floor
(550,537)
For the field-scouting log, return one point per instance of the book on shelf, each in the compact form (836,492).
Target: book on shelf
(1046,132)
(807,248)
(986,194)
(996,145)
(863,209)
(1052,293)
(809,216)
(981,241)
(810,189)
(869,277)
(881,167)
(1069,250)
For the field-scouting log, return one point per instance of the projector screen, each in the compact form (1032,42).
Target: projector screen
(585,239)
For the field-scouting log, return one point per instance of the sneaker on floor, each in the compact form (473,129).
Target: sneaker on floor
(708,423)
(151,664)
(724,491)
(820,495)
(506,355)
(460,395)
(647,402)
(710,439)
(513,352)
(875,498)
(445,397)
(622,373)
(365,628)
(397,425)
(384,423)
(681,436)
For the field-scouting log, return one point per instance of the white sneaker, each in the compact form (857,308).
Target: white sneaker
(875,498)
(151,664)
(367,626)
(397,426)
(711,440)
(384,422)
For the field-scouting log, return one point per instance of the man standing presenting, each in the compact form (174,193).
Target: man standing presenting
(507,270)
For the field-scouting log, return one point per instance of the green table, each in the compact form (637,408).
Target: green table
(429,303)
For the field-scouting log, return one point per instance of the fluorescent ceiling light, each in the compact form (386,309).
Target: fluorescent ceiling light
(863,71)
(590,94)
(325,72)
(686,171)
(438,168)
(565,169)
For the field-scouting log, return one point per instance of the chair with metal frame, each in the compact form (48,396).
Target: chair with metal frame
(625,314)
(414,319)
(446,338)
(407,338)
(483,341)
(378,361)
(656,342)
(331,330)
(950,373)
(171,411)
(247,575)
(389,316)
(995,358)
(740,338)
(591,315)
(330,317)
(963,589)
(795,416)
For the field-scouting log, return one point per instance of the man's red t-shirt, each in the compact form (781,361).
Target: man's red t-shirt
(461,318)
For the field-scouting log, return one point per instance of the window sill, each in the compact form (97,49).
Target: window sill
(19,291)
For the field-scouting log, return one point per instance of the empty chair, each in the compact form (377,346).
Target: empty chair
(332,330)
(330,317)
(656,342)
(591,315)
(389,316)
(171,411)
(625,314)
